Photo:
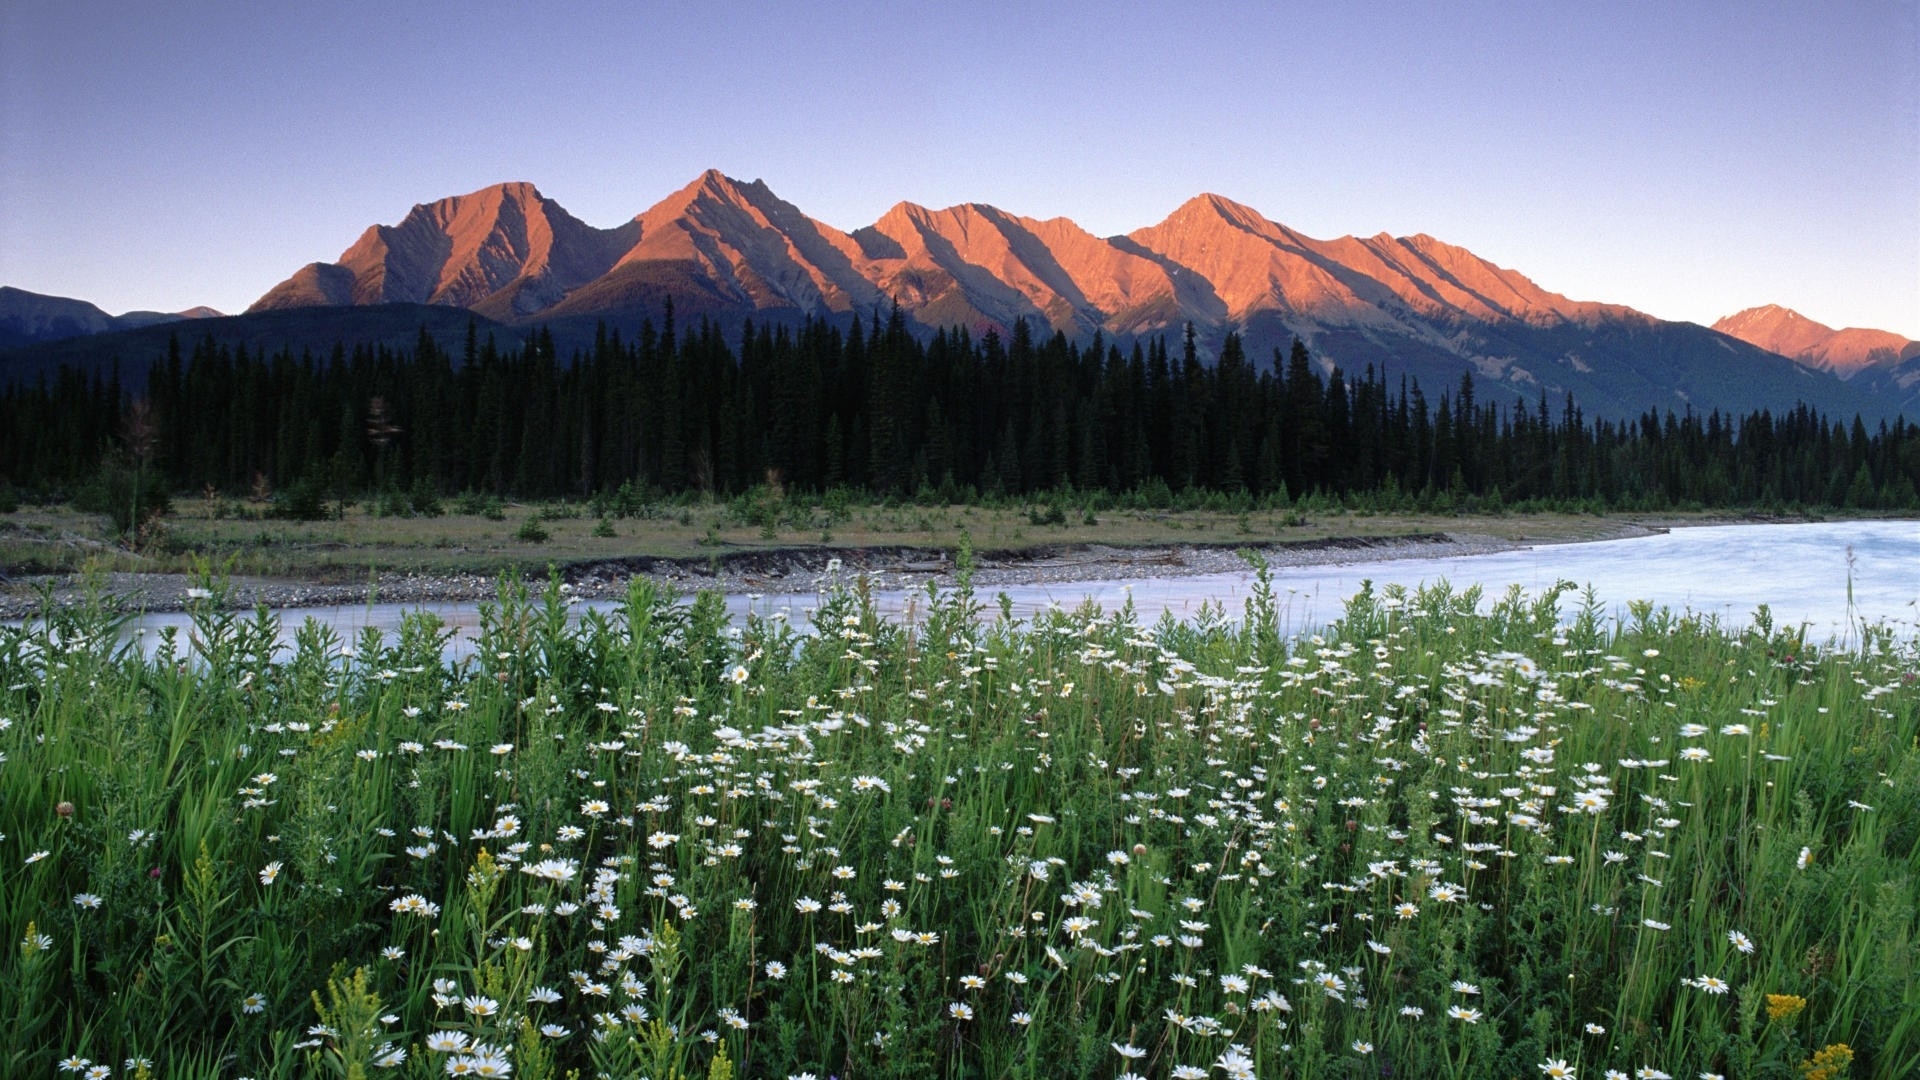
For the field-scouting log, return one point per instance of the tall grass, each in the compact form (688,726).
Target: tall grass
(1443,838)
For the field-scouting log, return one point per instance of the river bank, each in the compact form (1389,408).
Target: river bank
(788,570)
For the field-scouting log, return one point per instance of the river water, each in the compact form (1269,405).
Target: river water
(1802,572)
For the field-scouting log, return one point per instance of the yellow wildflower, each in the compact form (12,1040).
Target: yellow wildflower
(1784,1006)
(1829,1062)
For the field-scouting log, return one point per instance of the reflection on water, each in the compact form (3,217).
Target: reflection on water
(1806,575)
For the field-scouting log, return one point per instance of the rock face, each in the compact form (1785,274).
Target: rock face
(505,251)
(1411,306)
(977,265)
(1244,267)
(1844,352)
(722,247)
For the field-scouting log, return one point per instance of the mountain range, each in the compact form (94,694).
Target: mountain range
(27,317)
(1412,306)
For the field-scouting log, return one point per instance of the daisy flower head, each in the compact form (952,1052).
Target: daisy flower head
(414,904)
(447,1042)
(1235,1063)
(491,1064)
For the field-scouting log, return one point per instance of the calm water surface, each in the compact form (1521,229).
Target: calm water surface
(1801,572)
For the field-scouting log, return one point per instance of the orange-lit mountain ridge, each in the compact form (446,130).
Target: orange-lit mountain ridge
(725,249)
(1791,334)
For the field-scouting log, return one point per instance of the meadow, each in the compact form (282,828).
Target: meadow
(1450,836)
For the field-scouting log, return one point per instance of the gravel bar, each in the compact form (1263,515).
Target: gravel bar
(788,570)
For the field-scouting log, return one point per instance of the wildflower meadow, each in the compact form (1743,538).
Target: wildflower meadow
(1448,836)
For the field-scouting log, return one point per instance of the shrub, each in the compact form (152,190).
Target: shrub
(129,497)
(424,498)
(303,500)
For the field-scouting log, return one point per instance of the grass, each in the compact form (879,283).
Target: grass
(61,540)
(1445,838)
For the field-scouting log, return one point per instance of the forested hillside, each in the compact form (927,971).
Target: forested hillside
(875,409)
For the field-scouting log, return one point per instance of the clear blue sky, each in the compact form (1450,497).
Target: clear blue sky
(1686,158)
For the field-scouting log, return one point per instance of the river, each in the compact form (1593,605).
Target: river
(1807,575)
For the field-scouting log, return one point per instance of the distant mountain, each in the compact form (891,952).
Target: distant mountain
(1791,334)
(727,249)
(505,251)
(1879,362)
(313,331)
(27,318)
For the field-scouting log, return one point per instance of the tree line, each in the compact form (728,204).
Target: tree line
(872,408)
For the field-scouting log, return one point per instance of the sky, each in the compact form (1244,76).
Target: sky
(1689,159)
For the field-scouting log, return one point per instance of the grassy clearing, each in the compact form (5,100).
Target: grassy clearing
(61,540)
(1435,841)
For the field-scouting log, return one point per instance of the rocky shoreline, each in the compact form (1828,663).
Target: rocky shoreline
(792,570)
